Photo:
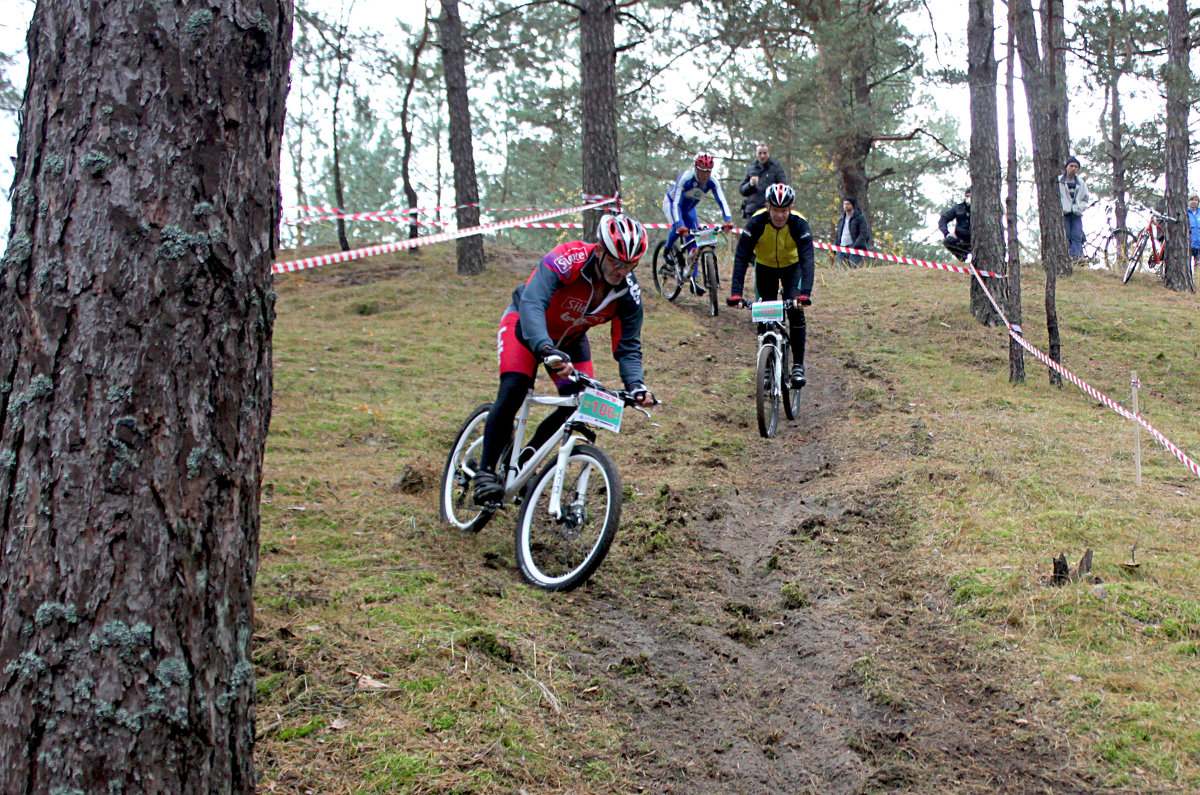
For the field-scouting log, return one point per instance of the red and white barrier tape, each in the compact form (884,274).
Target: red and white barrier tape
(441,237)
(329,213)
(906,260)
(1015,332)
(382,216)
(829,247)
(312,208)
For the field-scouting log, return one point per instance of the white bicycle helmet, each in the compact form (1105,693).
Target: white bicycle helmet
(780,195)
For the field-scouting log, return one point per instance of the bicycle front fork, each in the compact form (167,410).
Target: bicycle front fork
(560,472)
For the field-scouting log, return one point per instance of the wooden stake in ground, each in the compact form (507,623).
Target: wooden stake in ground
(1134,383)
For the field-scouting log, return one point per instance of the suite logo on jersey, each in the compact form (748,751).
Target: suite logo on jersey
(563,263)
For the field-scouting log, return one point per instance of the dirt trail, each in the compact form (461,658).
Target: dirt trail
(865,688)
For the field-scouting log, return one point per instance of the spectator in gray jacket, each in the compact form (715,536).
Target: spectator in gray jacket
(760,175)
(852,232)
(1075,199)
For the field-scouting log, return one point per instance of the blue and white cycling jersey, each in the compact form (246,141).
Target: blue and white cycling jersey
(679,205)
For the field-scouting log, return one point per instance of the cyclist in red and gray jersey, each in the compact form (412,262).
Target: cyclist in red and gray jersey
(575,287)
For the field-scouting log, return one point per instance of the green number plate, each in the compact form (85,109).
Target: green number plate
(766,311)
(600,409)
(705,237)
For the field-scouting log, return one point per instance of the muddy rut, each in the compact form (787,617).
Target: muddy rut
(851,680)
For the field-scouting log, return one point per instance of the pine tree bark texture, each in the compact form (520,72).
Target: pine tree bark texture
(1016,354)
(1177,272)
(462,155)
(987,246)
(598,104)
(135,384)
(1043,122)
(1054,59)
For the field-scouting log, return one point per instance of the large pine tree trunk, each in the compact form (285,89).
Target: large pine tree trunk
(1016,354)
(598,103)
(1053,80)
(1177,271)
(135,325)
(987,247)
(1054,44)
(1043,115)
(462,155)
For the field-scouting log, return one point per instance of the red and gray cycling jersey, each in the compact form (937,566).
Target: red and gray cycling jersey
(565,296)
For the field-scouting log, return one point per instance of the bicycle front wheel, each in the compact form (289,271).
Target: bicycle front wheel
(791,395)
(766,391)
(708,266)
(666,276)
(1135,259)
(561,554)
(458,476)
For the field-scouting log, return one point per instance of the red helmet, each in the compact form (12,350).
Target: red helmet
(704,161)
(622,237)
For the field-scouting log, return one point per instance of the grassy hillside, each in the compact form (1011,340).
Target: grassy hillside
(396,655)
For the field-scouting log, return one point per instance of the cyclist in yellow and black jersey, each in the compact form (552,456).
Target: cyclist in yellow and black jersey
(780,243)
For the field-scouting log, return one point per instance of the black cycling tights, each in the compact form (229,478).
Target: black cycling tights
(768,281)
(497,432)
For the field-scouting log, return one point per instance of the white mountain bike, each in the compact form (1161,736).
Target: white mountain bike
(569,490)
(772,381)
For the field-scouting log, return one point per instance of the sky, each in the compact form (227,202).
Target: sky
(946,47)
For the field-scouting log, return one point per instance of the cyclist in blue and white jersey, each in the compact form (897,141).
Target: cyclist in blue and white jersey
(679,205)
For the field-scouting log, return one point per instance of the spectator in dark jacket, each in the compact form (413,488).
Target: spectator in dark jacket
(958,243)
(852,232)
(760,175)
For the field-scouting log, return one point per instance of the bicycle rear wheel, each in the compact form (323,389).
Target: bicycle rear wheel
(791,395)
(458,476)
(766,391)
(1117,249)
(708,267)
(666,276)
(1135,259)
(561,554)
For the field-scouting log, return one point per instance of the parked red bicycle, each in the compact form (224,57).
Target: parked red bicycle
(1145,249)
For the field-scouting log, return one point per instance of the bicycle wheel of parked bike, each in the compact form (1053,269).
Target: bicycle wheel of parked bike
(458,476)
(1118,247)
(766,396)
(561,554)
(708,267)
(1135,259)
(667,280)
(791,397)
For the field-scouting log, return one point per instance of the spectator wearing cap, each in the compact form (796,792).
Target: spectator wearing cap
(1075,199)
(957,242)
(852,232)
(761,174)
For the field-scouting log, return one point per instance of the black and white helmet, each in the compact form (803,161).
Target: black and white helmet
(622,237)
(780,195)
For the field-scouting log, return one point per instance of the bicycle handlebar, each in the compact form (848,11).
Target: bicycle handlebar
(1154,213)
(626,397)
(788,303)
